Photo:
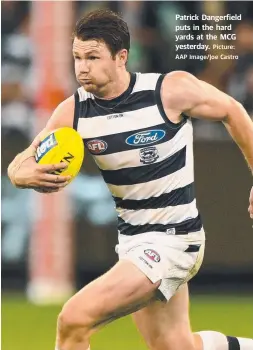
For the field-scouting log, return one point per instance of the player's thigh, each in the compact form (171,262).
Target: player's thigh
(166,322)
(122,290)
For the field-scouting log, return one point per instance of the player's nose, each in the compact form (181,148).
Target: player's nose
(84,67)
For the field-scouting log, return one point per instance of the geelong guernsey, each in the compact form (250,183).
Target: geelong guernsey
(145,160)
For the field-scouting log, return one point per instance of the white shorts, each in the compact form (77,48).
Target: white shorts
(173,259)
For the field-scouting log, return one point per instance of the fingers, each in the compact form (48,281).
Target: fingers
(47,168)
(52,185)
(47,190)
(55,178)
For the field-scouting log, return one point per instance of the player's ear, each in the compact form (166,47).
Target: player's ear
(122,57)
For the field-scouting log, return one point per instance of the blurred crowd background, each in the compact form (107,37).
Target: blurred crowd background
(222,178)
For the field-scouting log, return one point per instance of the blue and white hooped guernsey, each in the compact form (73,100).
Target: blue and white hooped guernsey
(145,160)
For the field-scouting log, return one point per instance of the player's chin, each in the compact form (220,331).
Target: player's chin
(89,87)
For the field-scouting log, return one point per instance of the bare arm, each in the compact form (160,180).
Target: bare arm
(23,171)
(203,101)
(62,116)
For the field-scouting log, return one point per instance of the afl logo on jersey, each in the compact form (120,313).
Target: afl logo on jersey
(145,137)
(96,146)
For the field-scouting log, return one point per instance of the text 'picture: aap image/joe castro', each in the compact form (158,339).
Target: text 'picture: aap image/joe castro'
(203,37)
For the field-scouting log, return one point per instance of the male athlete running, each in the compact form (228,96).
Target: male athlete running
(138,129)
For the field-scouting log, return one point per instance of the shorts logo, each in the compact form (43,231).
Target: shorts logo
(152,254)
(148,155)
(145,137)
(171,231)
(97,146)
(48,143)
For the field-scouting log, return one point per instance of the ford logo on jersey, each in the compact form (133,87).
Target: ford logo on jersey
(145,137)
(48,143)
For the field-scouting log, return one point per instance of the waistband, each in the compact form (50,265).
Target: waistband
(183,228)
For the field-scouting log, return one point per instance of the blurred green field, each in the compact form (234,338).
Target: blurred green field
(29,327)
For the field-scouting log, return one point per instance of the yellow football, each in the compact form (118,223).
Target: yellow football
(62,145)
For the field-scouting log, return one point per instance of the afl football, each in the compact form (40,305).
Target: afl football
(62,145)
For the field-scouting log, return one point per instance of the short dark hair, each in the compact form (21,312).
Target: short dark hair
(104,25)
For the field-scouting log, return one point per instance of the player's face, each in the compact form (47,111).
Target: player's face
(94,66)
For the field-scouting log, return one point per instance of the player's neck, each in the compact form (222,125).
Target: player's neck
(117,87)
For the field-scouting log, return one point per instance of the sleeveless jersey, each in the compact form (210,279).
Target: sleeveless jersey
(145,159)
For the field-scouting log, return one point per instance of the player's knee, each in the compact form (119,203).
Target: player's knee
(72,318)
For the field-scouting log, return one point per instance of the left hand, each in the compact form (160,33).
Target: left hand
(250,209)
